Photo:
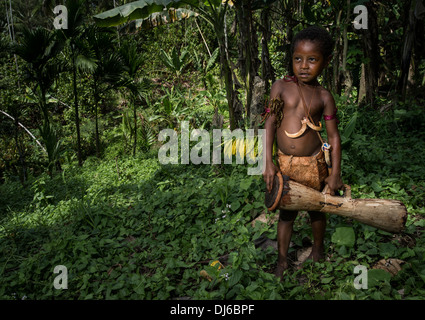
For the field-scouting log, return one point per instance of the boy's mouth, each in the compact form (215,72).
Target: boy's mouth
(303,75)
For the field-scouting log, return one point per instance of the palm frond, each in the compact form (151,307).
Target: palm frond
(85,63)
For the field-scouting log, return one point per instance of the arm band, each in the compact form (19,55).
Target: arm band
(326,118)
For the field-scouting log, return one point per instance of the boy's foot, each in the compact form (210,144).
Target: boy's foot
(280,269)
(313,254)
(317,254)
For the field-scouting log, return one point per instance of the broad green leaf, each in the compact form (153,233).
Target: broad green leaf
(375,277)
(344,236)
(245,184)
(235,205)
(235,277)
(387,249)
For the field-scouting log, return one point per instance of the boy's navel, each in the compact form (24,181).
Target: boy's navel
(292,147)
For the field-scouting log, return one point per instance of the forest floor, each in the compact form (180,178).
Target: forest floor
(131,228)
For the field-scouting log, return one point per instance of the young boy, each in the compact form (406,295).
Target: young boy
(299,103)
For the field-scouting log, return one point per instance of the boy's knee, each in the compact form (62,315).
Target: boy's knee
(316,215)
(287,216)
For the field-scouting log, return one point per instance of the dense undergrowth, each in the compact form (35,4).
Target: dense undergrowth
(131,228)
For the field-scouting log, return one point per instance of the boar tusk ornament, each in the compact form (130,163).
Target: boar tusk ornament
(304,123)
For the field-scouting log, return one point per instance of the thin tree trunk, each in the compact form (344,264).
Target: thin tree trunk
(248,49)
(348,82)
(135,125)
(77,118)
(21,152)
(336,85)
(371,50)
(407,50)
(96,107)
(267,71)
(228,82)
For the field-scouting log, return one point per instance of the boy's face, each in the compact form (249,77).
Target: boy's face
(308,61)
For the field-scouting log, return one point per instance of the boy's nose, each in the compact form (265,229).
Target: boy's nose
(304,65)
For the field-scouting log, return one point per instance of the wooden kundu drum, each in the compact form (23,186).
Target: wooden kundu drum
(387,215)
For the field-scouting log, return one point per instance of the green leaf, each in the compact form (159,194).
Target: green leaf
(375,277)
(344,236)
(212,59)
(245,184)
(387,249)
(327,280)
(376,187)
(235,205)
(349,128)
(165,58)
(235,277)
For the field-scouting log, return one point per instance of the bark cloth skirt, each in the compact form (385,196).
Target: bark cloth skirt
(310,171)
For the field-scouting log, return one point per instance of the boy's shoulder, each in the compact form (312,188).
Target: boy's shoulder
(326,95)
(279,86)
(282,83)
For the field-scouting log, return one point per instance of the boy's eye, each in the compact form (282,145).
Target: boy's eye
(312,59)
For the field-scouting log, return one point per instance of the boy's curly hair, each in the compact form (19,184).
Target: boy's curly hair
(315,34)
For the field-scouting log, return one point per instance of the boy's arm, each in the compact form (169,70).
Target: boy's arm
(270,127)
(334,180)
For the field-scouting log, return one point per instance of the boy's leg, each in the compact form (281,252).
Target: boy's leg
(284,233)
(318,226)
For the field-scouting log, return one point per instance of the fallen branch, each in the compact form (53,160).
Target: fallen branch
(29,132)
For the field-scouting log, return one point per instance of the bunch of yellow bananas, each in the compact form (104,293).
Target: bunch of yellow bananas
(242,147)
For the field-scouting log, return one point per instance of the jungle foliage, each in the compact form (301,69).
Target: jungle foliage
(81,184)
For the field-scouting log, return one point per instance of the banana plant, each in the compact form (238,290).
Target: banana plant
(137,10)
(213,11)
(164,17)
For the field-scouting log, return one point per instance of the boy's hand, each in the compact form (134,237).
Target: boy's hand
(334,183)
(268,175)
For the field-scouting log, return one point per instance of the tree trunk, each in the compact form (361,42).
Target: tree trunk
(248,49)
(77,118)
(267,71)
(228,82)
(407,50)
(234,105)
(135,124)
(348,81)
(336,75)
(362,86)
(96,108)
(371,51)
(21,152)
(289,12)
